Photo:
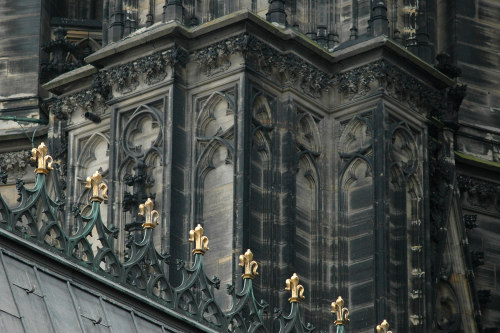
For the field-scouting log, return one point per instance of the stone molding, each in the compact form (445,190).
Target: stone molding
(480,193)
(290,70)
(121,79)
(286,68)
(14,163)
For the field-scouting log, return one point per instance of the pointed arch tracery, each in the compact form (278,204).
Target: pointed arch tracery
(259,225)
(138,173)
(143,132)
(406,228)
(357,220)
(214,177)
(94,155)
(356,238)
(308,137)
(357,137)
(307,203)
(216,117)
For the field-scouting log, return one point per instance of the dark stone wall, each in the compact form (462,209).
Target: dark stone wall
(481,204)
(477,53)
(264,189)
(474,43)
(19,55)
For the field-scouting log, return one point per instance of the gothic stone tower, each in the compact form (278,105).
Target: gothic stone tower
(317,160)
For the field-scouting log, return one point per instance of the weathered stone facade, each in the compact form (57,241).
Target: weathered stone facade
(316,133)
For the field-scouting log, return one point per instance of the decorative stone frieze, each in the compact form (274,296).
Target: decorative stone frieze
(121,79)
(286,68)
(92,99)
(360,81)
(480,193)
(14,163)
(214,59)
(470,221)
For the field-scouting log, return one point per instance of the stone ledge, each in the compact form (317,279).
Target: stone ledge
(70,76)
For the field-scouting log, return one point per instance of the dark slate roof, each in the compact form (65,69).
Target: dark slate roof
(35,297)
(34,300)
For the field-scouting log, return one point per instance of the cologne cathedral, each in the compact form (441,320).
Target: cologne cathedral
(250,166)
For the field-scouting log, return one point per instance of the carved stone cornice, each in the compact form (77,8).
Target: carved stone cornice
(14,163)
(287,69)
(214,58)
(383,75)
(470,221)
(121,79)
(480,193)
(91,99)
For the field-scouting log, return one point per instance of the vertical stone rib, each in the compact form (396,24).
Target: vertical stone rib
(380,23)
(116,27)
(150,15)
(354,18)
(423,47)
(173,11)
(276,12)
(380,209)
(105,22)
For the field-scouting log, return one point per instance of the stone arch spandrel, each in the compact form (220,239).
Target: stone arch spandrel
(307,133)
(261,111)
(216,116)
(357,137)
(404,149)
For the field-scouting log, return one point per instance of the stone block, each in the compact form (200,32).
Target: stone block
(479,77)
(361,271)
(478,96)
(23,66)
(363,293)
(361,248)
(477,33)
(361,319)
(466,7)
(19,8)
(489,11)
(477,56)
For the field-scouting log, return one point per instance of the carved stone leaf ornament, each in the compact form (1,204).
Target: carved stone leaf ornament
(480,193)
(121,79)
(14,163)
(288,69)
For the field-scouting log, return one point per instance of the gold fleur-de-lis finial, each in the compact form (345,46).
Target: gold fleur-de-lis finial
(200,241)
(342,313)
(152,216)
(98,188)
(384,327)
(292,284)
(246,260)
(44,161)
